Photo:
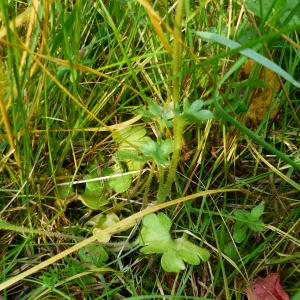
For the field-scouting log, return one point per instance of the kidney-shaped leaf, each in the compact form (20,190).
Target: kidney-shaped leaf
(94,195)
(155,233)
(189,252)
(156,238)
(171,261)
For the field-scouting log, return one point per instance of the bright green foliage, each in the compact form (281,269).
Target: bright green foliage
(94,195)
(156,238)
(159,153)
(239,232)
(155,233)
(247,220)
(279,12)
(129,141)
(257,211)
(296,296)
(162,115)
(193,112)
(119,184)
(93,254)
(131,138)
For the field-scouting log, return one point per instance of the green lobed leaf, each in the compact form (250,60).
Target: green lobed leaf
(189,252)
(230,250)
(131,157)
(171,262)
(168,112)
(93,254)
(93,187)
(256,225)
(120,184)
(131,137)
(154,108)
(242,215)
(150,149)
(166,147)
(94,195)
(64,191)
(258,210)
(193,113)
(128,154)
(158,153)
(239,232)
(156,238)
(155,233)
(92,201)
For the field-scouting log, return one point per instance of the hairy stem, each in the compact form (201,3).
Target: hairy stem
(165,189)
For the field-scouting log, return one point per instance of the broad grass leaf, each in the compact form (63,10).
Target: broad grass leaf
(249,53)
(279,12)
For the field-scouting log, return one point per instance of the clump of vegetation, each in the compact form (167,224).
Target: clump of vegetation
(148,149)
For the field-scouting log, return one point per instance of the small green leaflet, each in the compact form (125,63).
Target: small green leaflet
(119,184)
(131,137)
(247,220)
(239,232)
(93,254)
(193,112)
(249,53)
(258,210)
(130,140)
(163,115)
(159,153)
(156,238)
(94,195)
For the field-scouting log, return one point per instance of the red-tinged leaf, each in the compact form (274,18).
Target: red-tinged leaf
(268,288)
